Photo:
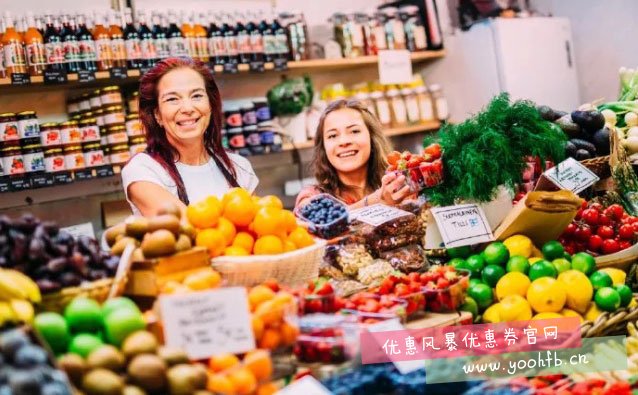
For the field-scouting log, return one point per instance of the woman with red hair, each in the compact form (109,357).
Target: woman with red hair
(180,109)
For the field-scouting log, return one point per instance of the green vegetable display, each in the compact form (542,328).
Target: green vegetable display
(291,96)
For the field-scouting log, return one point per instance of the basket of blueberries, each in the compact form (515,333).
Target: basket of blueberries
(326,216)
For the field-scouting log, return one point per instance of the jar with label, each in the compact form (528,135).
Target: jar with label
(72,107)
(137,145)
(33,158)
(50,135)
(416,38)
(365,100)
(114,115)
(382,107)
(411,105)
(233,117)
(397,107)
(134,126)
(377,31)
(266,135)
(12,160)
(9,127)
(90,130)
(262,110)
(356,34)
(73,157)
(84,103)
(95,100)
(93,155)
(342,33)
(116,134)
(133,103)
(28,126)
(394,33)
(119,154)
(70,133)
(248,115)
(236,139)
(252,139)
(111,95)
(54,160)
(363,20)
(99,117)
(426,109)
(440,102)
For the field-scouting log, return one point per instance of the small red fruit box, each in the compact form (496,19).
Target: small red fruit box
(424,170)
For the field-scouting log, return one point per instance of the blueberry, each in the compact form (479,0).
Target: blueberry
(5,390)
(55,388)
(29,356)
(11,341)
(24,383)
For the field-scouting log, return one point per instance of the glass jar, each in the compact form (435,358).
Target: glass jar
(377,31)
(441,108)
(54,160)
(133,103)
(33,158)
(72,107)
(356,34)
(9,127)
(366,101)
(94,100)
(394,33)
(134,126)
(262,110)
(233,117)
(70,133)
(114,115)
(90,130)
(84,103)
(119,154)
(248,115)
(50,135)
(73,157)
(12,160)
(342,33)
(93,155)
(382,107)
(411,105)
(416,39)
(426,109)
(116,135)
(397,107)
(363,20)
(111,95)
(137,145)
(294,23)
(28,126)
(99,117)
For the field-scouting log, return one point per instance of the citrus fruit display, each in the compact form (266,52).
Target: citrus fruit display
(546,295)
(626,296)
(561,265)
(578,288)
(482,294)
(475,265)
(583,262)
(542,268)
(270,309)
(517,263)
(600,279)
(607,299)
(496,253)
(519,245)
(491,274)
(513,283)
(553,250)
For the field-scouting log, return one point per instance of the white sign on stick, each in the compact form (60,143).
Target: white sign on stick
(571,175)
(462,225)
(208,322)
(395,67)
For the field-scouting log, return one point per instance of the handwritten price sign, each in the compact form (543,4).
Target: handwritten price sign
(571,175)
(462,225)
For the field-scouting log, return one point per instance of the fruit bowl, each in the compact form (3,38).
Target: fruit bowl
(448,299)
(326,338)
(326,216)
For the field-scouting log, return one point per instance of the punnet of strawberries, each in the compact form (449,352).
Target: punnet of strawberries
(422,170)
(599,230)
(318,297)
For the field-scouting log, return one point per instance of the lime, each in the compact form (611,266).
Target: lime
(475,264)
(600,279)
(542,268)
(471,306)
(496,254)
(84,343)
(567,256)
(583,262)
(121,323)
(491,274)
(482,294)
(607,299)
(112,305)
(474,281)
(459,252)
(625,294)
(518,263)
(561,265)
(553,250)
(458,263)
(53,328)
(83,315)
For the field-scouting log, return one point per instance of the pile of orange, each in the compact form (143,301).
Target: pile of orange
(228,375)
(269,310)
(199,280)
(240,224)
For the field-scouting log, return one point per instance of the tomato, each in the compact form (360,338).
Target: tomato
(595,243)
(605,220)
(414,277)
(415,287)
(393,157)
(610,246)
(579,214)
(626,232)
(624,244)
(635,226)
(434,150)
(596,206)
(590,216)
(617,211)
(606,232)
(569,248)
(425,278)
(583,233)
(570,229)
(414,162)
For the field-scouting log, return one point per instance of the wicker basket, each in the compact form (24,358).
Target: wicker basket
(600,166)
(621,260)
(290,268)
(609,324)
(57,301)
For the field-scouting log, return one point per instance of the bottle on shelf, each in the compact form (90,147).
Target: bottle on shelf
(161,39)
(296,34)
(14,57)
(230,39)
(147,41)
(118,44)
(176,42)
(256,38)
(216,41)
(39,23)
(377,32)
(132,41)
(416,39)
(363,20)
(201,38)
(3,69)
(34,47)
(243,39)
(281,39)
(103,49)
(268,37)
(87,45)
(71,45)
(394,31)
(53,46)
(189,35)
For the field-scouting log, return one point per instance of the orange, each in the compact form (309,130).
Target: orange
(301,237)
(268,245)
(243,380)
(204,214)
(270,340)
(205,279)
(228,230)
(258,295)
(289,221)
(270,201)
(244,240)
(289,333)
(213,239)
(258,327)
(269,312)
(283,299)
(269,221)
(235,251)
(267,389)
(233,193)
(170,287)
(240,211)
(289,246)
(220,384)
(259,362)
(221,362)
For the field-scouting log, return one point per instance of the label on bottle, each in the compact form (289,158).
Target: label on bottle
(71,51)
(281,43)
(33,162)
(243,43)
(383,110)
(357,35)
(257,43)
(177,47)
(36,54)
(118,48)
(54,52)
(192,47)
(379,37)
(412,106)
(231,45)
(14,57)
(133,48)
(399,34)
(270,44)
(2,66)
(87,50)
(103,49)
(218,45)
(202,47)
(442,112)
(147,49)
(162,48)
(420,39)
(28,128)
(14,164)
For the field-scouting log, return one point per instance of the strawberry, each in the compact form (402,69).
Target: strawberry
(393,158)
(434,150)
(325,289)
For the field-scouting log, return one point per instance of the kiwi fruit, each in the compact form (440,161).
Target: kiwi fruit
(112,233)
(74,366)
(170,208)
(133,390)
(159,243)
(183,243)
(120,245)
(172,355)
(136,226)
(184,379)
(106,357)
(187,229)
(165,221)
(102,382)
(148,371)
(140,342)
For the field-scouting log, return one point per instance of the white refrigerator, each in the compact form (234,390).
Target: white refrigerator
(531,58)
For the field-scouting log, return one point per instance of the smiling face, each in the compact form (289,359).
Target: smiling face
(184,109)
(346,139)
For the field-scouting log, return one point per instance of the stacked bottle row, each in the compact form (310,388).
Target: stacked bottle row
(249,130)
(102,41)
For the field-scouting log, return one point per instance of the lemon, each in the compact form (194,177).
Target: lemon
(534,259)
(579,290)
(546,316)
(617,276)
(632,303)
(546,295)
(571,313)
(519,245)
(593,312)
(513,283)
(492,314)
(515,308)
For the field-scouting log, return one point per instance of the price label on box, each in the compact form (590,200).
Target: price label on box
(570,175)
(462,225)
(208,322)
(395,67)
(85,229)
(307,385)
(377,214)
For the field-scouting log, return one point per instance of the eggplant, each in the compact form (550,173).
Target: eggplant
(548,114)
(571,129)
(585,145)
(582,154)
(601,141)
(570,149)
(590,121)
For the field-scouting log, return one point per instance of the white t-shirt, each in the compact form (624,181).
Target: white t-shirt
(200,181)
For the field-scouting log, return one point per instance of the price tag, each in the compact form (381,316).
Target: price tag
(5,185)
(571,175)
(85,174)
(257,66)
(404,367)
(62,177)
(86,76)
(377,214)
(395,67)
(52,77)
(85,229)
(462,225)
(41,180)
(280,64)
(208,322)
(20,183)
(144,70)
(211,66)
(104,171)
(118,73)
(20,79)
(230,68)
(306,385)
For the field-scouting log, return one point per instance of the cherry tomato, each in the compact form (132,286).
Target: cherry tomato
(584,205)
(414,276)
(579,214)
(606,232)
(605,220)
(610,246)
(626,232)
(393,157)
(590,216)
(583,233)
(570,229)
(624,244)
(596,206)
(635,226)
(569,248)
(617,211)
(595,243)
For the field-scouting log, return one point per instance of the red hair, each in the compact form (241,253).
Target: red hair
(158,146)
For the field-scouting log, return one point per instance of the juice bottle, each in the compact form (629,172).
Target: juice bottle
(189,35)
(14,57)
(161,39)
(53,46)
(103,49)
(88,58)
(132,42)
(256,39)
(243,39)
(39,24)
(201,38)
(3,69)
(281,39)
(147,42)
(34,47)
(118,45)
(70,45)
(230,39)
(216,42)
(176,43)
(269,43)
